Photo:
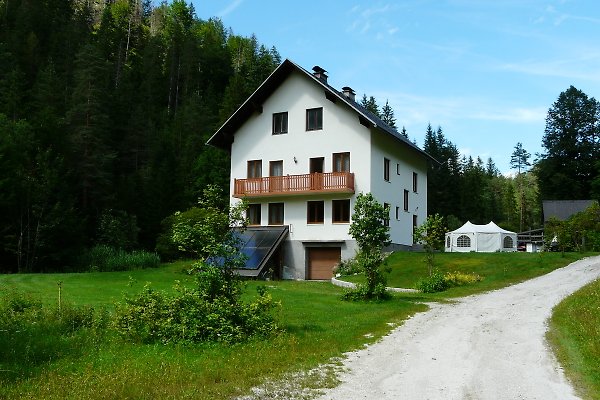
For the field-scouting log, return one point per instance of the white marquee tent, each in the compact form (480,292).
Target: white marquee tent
(481,238)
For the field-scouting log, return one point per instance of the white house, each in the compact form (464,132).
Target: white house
(300,153)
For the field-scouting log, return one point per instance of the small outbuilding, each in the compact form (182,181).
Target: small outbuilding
(487,238)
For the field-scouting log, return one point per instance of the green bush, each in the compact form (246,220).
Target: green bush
(434,283)
(107,259)
(347,267)
(362,292)
(209,312)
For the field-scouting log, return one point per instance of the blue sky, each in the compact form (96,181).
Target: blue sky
(485,71)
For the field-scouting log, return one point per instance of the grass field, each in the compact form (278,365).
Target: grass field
(575,335)
(497,269)
(318,327)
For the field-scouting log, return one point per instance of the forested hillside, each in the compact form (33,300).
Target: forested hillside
(104,112)
(105,108)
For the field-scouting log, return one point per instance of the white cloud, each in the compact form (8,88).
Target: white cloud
(569,68)
(534,114)
(230,8)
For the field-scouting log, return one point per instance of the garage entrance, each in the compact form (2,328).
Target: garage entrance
(321,261)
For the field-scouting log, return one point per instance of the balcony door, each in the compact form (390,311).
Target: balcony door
(276,176)
(316,172)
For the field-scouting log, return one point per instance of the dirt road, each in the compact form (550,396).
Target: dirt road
(489,346)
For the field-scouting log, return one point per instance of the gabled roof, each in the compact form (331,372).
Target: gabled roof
(490,227)
(223,137)
(563,209)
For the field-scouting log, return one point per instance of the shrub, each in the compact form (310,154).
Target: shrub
(434,283)
(191,316)
(349,266)
(105,258)
(375,288)
(362,292)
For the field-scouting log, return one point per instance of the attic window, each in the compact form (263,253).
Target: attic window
(280,123)
(314,119)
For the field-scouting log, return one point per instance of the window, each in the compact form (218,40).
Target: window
(316,165)
(463,241)
(508,242)
(415,179)
(414,225)
(340,210)
(405,200)
(276,168)
(397,213)
(448,241)
(275,213)
(280,123)
(386,221)
(255,169)
(341,162)
(386,169)
(253,214)
(315,211)
(314,119)
(397,169)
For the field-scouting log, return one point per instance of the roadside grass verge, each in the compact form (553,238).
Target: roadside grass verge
(575,337)
(497,269)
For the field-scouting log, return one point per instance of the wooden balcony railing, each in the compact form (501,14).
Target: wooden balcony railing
(330,182)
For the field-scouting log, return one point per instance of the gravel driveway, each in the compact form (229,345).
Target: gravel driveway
(488,346)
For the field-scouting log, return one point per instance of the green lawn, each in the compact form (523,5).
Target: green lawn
(318,326)
(96,288)
(575,336)
(497,269)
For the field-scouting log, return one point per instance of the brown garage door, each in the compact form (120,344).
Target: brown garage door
(321,261)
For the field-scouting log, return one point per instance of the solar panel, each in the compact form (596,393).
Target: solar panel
(259,244)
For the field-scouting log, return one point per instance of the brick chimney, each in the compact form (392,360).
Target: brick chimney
(349,93)
(320,73)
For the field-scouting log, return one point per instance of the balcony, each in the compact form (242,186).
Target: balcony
(316,183)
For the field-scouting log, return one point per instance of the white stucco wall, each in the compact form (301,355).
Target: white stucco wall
(341,133)
(392,192)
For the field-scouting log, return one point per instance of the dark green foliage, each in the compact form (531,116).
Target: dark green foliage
(105,258)
(581,232)
(569,166)
(118,229)
(520,158)
(387,116)
(107,106)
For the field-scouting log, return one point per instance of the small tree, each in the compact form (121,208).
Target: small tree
(431,235)
(213,310)
(371,234)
